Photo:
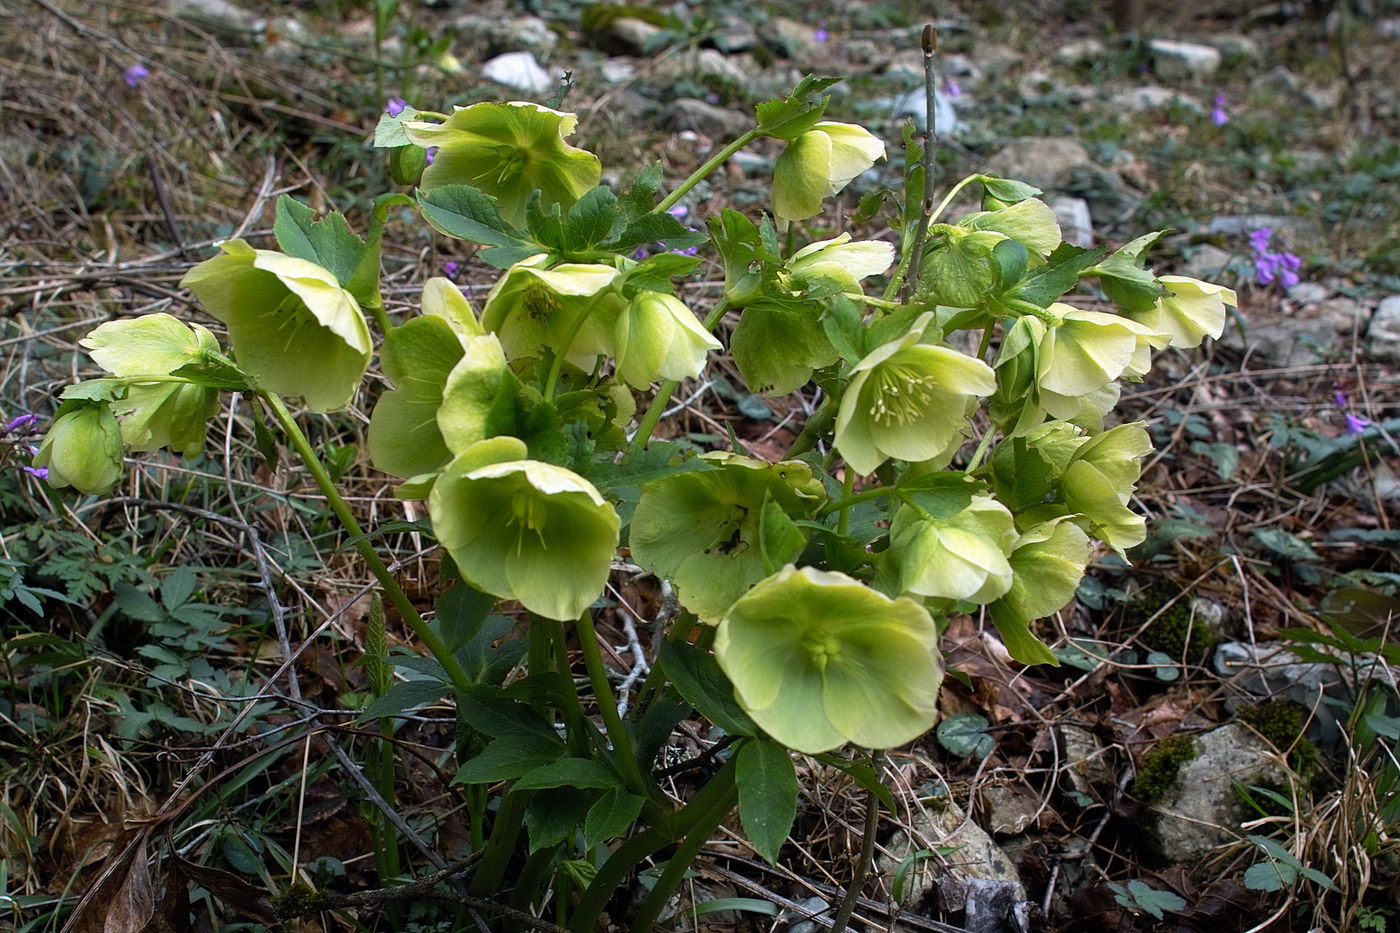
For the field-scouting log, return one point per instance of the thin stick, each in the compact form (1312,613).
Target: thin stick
(930,45)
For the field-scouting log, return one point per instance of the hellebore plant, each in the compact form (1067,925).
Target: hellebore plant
(961,457)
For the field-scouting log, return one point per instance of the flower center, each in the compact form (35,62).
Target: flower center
(900,393)
(821,647)
(529,516)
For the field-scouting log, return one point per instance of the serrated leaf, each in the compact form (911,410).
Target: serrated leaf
(1269,876)
(486,710)
(1285,545)
(389,134)
(590,219)
(842,323)
(639,199)
(553,814)
(658,460)
(328,242)
(1125,280)
(137,604)
(569,772)
(767,784)
(467,213)
(697,677)
(942,494)
(654,228)
(610,816)
(1046,284)
(1008,190)
(508,758)
(405,695)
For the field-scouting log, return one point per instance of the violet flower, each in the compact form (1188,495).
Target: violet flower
(135,74)
(1218,116)
(451,268)
(821,35)
(1357,423)
(1269,265)
(952,89)
(19,424)
(395,106)
(37,472)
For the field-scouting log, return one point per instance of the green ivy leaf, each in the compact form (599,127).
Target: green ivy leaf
(767,784)
(966,734)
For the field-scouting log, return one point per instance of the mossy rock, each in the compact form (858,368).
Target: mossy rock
(1177,632)
(1160,767)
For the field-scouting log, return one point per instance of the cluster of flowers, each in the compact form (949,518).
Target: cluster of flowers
(1269,265)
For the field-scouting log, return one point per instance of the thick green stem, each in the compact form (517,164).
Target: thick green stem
(866,496)
(697,176)
(813,430)
(338,505)
(510,818)
(663,394)
(684,857)
(982,447)
(607,705)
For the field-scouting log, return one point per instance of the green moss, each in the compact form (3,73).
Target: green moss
(299,901)
(1176,632)
(1282,723)
(1161,766)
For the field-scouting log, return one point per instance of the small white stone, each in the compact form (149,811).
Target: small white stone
(518,71)
(1171,59)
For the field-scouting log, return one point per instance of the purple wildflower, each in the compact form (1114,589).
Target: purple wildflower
(39,472)
(1269,265)
(19,424)
(135,74)
(1357,423)
(1339,398)
(1218,116)
(678,212)
(430,154)
(641,253)
(451,268)
(952,89)
(821,35)
(395,106)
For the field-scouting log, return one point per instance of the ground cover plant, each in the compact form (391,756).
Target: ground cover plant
(831,584)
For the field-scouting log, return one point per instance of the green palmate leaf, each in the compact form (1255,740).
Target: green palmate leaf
(467,213)
(405,695)
(791,116)
(545,226)
(966,734)
(1125,280)
(555,814)
(327,242)
(389,132)
(767,784)
(698,678)
(842,323)
(1059,275)
(1140,895)
(404,438)
(779,343)
(780,540)
(590,219)
(941,494)
(654,462)
(654,228)
(569,772)
(492,713)
(460,613)
(957,272)
(639,199)
(748,262)
(819,659)
(654,273)
(508,758)
(610,816)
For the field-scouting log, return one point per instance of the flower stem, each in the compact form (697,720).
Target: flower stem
(867,856)
(663,394)
(607,705)
(650,911)
(859,497)
(930,46)
(338,505)
(981,450)
(714,162)
(926,221)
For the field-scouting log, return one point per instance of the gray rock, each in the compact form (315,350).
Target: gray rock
(1241,225)
(1151,97)
(687,113)
(1236,46)
(906,65)
(1201,810)
(1175,61)
(287,39)
(914,104)
(1046,162)
(616,70)
(1076,224)
(1080,52)
(700,64)
(1383,336)
(789,36)
(996,59)
(520,72)
(735,35)
(222,17)
(517,34)
(632,35)
(1296,338)
(1009,809)
(969,877)
(1277,79)
(1308,293)
(1082,760)
(1206,262)
(809,906)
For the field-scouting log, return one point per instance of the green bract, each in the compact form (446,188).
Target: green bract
(535,310)
(83,448)
(658,337)
(841,261)
(1030,222)
(508,150)
(819,163)
(157,414)
(1190,311)
(704,530)
(963,557)
(1085,352)
(293,328)
(524,530)
(908,401)
(818,659)
(1100,479)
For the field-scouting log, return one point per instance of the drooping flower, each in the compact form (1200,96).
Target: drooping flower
(1190,311)
(704,530)
(524,530)
(534,309)
(658,337)
(82,449)
(292,326)
(820,163)
(960,557)
(508,150)
(135,75)
(1100,480)
(1049,561)
(1085,352)
(841,260)
(818,659)
(908,401)
(157,414)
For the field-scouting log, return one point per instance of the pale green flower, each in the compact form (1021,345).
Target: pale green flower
(534,309)
(1190,311)
(83,448)
(153,415)
(508,150)
(818,659)
(841,260)
(523,530)
(1100,480)
(658,337)
(1049,561)
(962,557)
(1085,352)
(820,163)
(703,530)
(908,401)
(293,328)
